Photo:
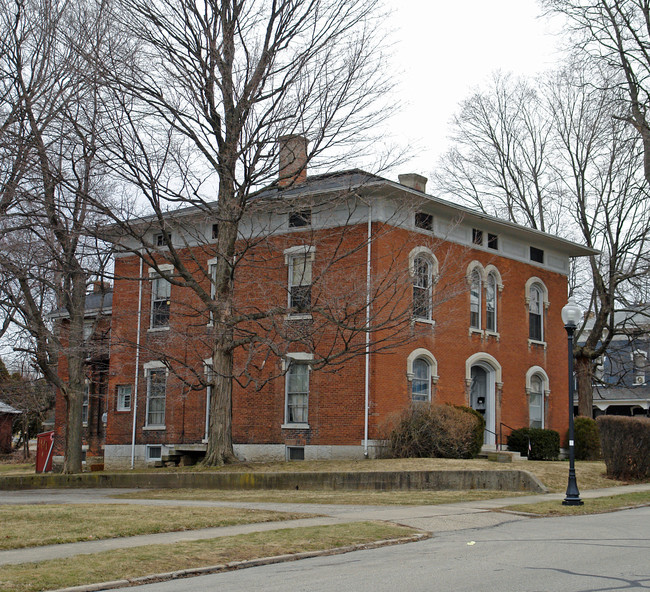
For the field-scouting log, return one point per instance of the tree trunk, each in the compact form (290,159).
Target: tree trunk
(220,450)
(584,378)
(74,402)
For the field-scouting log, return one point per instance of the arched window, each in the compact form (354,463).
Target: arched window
(475,300)
(491,303)
(536,401)
(536,313)
(421,383)
(422,280)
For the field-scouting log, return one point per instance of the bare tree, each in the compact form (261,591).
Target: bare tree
(615,34)
(49,170)
(202,93)
(591,171)
(499,161)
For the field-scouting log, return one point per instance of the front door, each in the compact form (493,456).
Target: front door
(482,399)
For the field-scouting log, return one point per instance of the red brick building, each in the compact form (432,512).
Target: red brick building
(464,308)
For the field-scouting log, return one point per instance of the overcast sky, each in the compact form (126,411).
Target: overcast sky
(445,49)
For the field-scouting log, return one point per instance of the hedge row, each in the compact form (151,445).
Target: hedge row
(625,442)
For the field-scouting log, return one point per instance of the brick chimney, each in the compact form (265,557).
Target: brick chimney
(293,160)
(417,182)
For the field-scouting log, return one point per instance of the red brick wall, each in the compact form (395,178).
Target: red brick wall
(336,400)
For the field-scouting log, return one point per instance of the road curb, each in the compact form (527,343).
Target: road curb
(234,565)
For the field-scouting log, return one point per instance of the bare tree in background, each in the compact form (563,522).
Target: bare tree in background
(49,169)
(591,171)
(202,93)
(615,35)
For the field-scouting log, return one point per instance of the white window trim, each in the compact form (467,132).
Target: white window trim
(122,408)
(155,365)
(213,289)
(532,281)
(479,357)
(302,358)
(289,255)
(541,373)
(428,356)
(207,369)
(155,274)
(427,254)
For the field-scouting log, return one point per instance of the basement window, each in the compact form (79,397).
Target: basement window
(154,452)
(295,453)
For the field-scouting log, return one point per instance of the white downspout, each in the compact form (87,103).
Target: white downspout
(367,384)
(137,368)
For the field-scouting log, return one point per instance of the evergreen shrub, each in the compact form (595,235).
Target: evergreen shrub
(544,444)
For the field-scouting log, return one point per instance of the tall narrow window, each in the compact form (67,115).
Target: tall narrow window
(536,313)
(160,302)
(475,301)
(297,393)
(85,404)
(300,282)
(421,383)
(156,395)
(536,402)
(491,304)
(422,288)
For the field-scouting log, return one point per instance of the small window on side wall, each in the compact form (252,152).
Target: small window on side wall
(124,397)
(424,221)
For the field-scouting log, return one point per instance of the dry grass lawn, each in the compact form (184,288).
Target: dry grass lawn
(307,496)
(16,468)
(598,505)
(141,561)
(33,525)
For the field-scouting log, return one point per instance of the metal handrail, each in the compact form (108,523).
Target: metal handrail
(501,426)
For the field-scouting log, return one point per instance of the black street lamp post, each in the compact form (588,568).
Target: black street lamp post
(571,316)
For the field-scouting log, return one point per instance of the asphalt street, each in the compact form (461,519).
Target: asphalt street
(605,552)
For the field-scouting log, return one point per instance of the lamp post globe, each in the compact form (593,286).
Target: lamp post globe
(571,316)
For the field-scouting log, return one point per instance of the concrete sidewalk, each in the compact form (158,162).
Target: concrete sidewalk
(431,518)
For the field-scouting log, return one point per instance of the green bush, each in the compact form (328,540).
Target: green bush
(441,431)
(544,444)
(625,442)
(587,441)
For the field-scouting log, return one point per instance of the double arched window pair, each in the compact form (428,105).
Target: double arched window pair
(423,268)
(478,278)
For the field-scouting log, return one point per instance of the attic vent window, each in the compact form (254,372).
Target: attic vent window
(493,241)
(477,236)
(300,218)
(160,241)
(536,255)
(424,221)
(215,231)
